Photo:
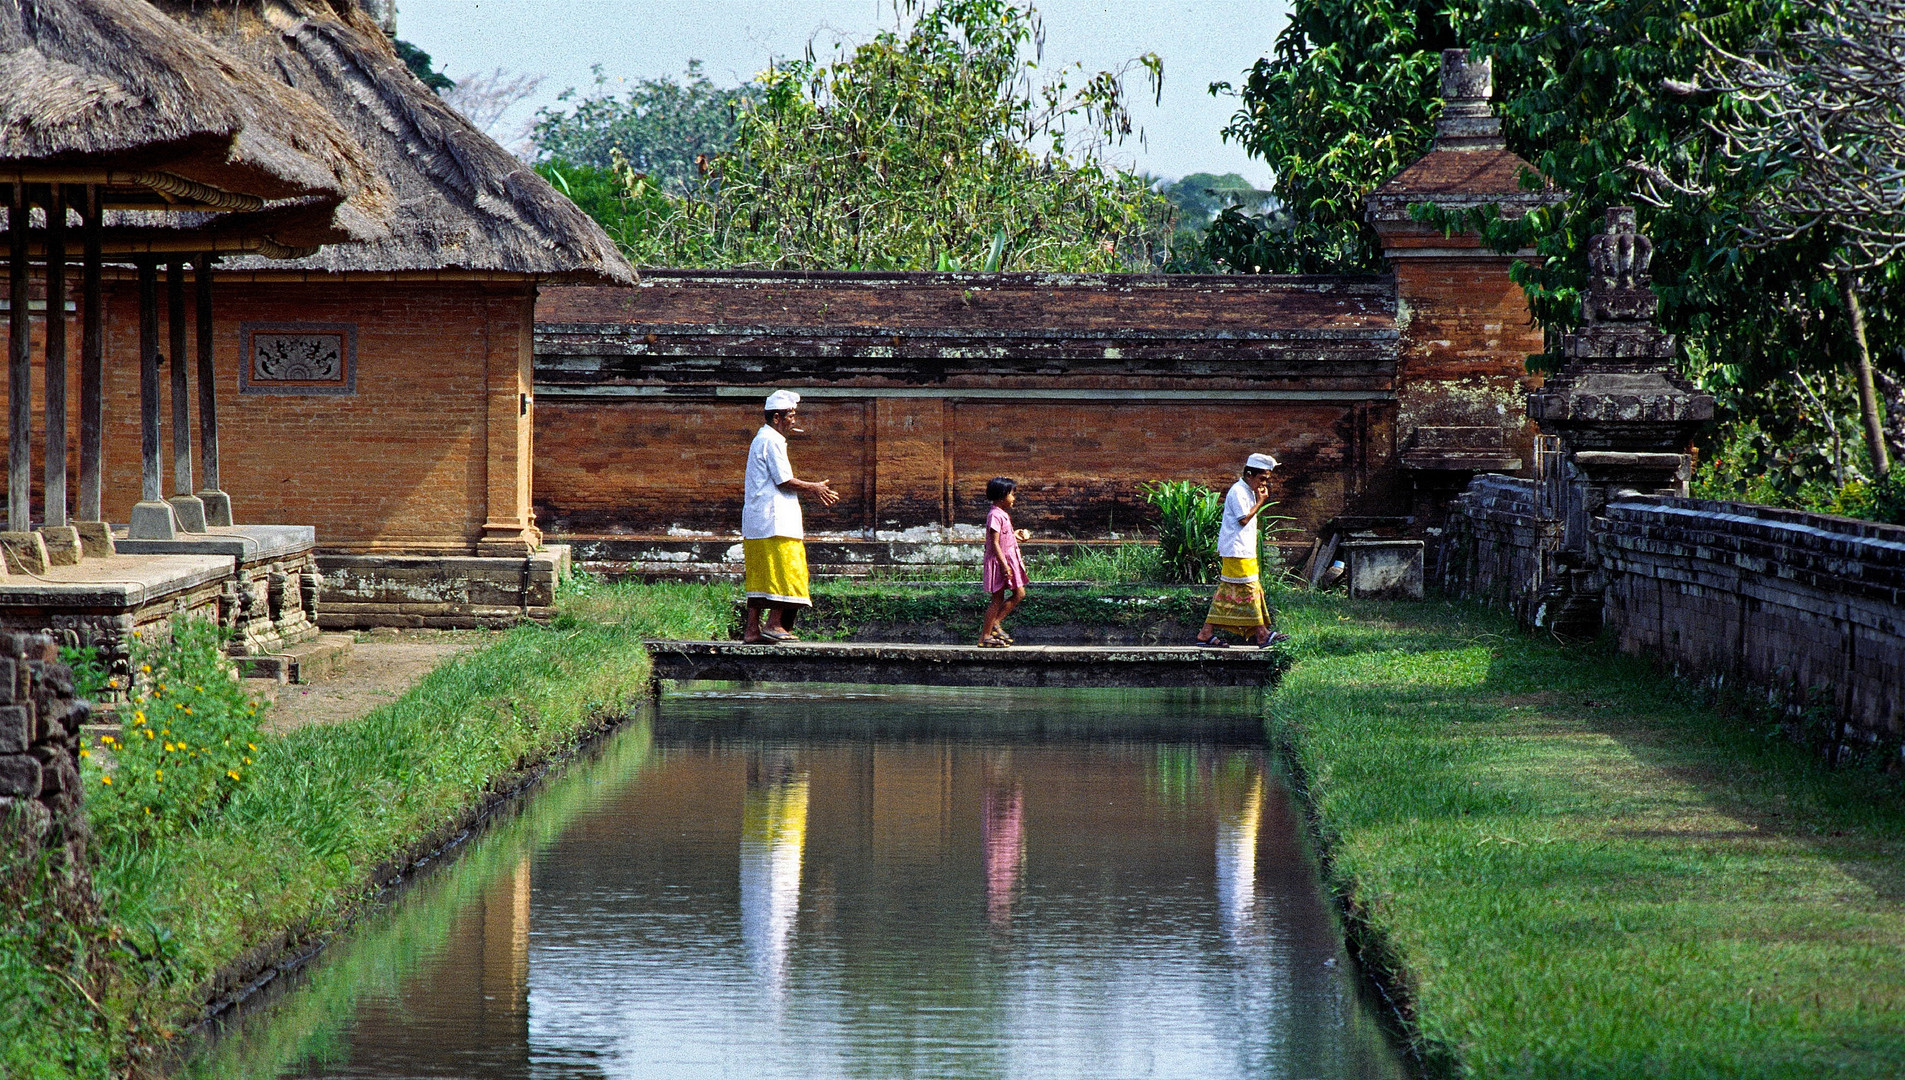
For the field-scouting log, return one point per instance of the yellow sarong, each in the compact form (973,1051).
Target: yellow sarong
(777,569)
(1239,601)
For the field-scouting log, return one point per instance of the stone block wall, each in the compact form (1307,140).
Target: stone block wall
(1498,544)
(39,756)
(1799,603)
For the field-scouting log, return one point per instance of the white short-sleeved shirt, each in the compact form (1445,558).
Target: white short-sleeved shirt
(1236,541)
(766,510)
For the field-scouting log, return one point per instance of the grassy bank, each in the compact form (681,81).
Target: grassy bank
(328,812)
(1573,868)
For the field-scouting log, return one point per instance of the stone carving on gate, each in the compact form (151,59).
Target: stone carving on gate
(298,358)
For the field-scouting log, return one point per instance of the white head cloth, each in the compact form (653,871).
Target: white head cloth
(1256,461)
(781,400)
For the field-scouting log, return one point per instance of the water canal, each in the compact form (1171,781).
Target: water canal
(860,882)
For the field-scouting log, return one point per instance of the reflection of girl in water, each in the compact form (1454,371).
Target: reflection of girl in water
(1004,834)
(773,836)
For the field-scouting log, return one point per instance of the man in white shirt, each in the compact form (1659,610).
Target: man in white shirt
(772,534)
(1238,606)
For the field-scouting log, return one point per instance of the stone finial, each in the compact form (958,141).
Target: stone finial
(1465,80)
(1467,122)
(1620,272)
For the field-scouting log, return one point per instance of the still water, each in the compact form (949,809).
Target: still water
(850,882)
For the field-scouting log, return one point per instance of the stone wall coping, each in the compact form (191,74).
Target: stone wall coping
(1892,536)
(245,543)
(123,581)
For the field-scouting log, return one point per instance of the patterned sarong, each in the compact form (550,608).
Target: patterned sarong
(777,569)
(1238,604)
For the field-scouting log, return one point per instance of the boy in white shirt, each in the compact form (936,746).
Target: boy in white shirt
(1238,606)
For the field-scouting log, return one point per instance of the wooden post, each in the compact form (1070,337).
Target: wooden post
(191,512)
(92,367)
(54,515)
(218,505)
(152,518)
(19,369)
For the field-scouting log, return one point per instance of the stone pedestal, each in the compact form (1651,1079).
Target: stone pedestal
(1623,414)
(95,538)
(218,507)
(190,511)
(63,547)
(25,552)
(153,520)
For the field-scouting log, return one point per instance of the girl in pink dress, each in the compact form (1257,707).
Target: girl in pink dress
(1005,567)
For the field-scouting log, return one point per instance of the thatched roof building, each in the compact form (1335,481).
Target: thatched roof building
(113,92)
(463,202)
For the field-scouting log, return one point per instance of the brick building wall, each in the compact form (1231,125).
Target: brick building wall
(420,443)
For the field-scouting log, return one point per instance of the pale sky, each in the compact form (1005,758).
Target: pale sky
(1201,41)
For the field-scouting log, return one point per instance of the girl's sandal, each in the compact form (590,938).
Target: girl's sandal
(1003,636)
(991,643)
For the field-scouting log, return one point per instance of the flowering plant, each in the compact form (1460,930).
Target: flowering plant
(188,736)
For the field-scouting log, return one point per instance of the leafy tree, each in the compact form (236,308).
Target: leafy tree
(928,148)
(422,67)
(666,129)
(1199,197)
(1346,101)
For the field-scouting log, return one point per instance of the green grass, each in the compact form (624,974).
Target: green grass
(1573,868)
(292,855)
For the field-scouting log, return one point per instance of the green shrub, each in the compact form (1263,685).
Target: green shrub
(189,733)
(1189,515)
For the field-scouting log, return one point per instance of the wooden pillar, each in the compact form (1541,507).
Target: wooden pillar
(152,518)
(19,368)
(218,505)
(191,512)
(92,367)
(54,516)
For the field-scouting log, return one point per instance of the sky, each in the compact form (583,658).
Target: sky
(1200,41)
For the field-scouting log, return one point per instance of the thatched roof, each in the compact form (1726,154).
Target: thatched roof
(463,202)
(115,84)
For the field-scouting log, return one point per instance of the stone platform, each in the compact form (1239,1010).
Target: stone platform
(966,665)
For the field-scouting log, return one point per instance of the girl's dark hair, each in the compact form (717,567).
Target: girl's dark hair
(999,487)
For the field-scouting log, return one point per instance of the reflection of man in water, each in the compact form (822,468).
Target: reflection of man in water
(773,840)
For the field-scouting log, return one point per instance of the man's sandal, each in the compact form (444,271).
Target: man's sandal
(777,636)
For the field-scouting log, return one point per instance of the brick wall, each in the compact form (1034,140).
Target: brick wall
(427,452)
(642,465)
(1796,604)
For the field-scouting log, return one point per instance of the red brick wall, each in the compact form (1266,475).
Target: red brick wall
(638,466)
(432,444)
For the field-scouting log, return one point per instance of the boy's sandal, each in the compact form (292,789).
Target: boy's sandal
(1215,642)
(1275,637)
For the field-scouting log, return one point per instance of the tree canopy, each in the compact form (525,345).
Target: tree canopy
(665,129)
(930,146)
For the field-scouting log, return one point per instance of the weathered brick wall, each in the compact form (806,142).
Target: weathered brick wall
(643,465)
(1800,605)
(426,444)
(1497,544)
(40,793)
(1797,603)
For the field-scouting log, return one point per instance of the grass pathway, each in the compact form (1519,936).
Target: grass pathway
(1577,870)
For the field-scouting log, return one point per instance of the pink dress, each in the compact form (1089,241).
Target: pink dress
(1007,569)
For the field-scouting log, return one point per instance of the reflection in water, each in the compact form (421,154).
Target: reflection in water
(1005,844)
(773,834)
(940,884)
(1237,856)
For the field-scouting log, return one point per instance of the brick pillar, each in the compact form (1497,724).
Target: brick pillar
(509,528)
(910,469)
(1466,331)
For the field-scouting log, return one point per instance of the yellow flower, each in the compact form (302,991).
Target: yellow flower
(148,733)
(159,773)
(188,710)
(147,668)
(138,717)
(252,746)
(201,689)
(168,748)
(183,745)
(247,761)
(83,752)
(148,809)
(107,780)
(231,773)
